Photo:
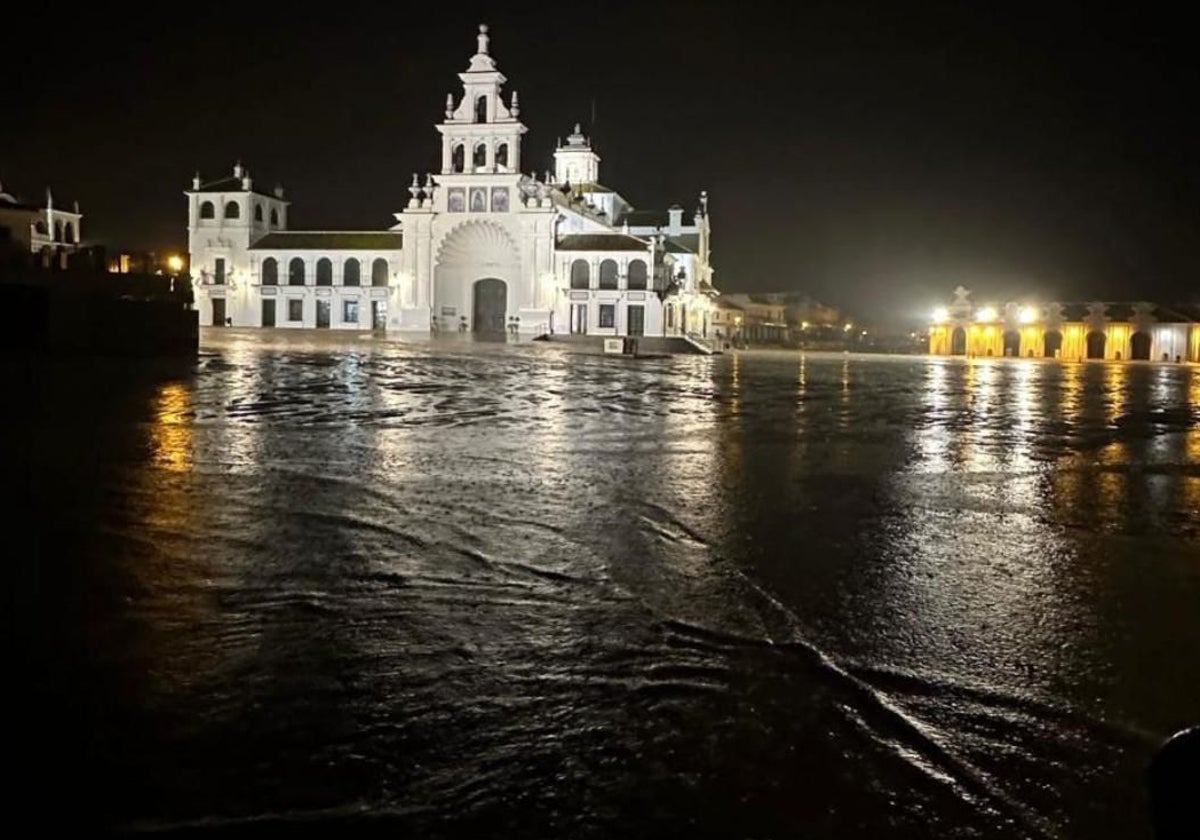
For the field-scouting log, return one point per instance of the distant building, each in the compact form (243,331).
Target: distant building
(775,318)
(1064,330)
(49,231)
(480,247)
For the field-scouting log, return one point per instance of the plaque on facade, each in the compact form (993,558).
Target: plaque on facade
(499,199)
(637,295)
(449,311)
(456,200)
(269,290)
(579,295)
(478,200)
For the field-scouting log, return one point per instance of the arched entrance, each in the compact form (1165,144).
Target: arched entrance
(1053,344)
(958,342)
(1095,345)
(491,306)
(477,279)
(1012,343)
(1139,346)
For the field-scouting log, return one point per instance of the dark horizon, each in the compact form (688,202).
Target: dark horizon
(872,158)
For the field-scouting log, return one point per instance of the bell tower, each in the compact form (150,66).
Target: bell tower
(481,133)
(576,163)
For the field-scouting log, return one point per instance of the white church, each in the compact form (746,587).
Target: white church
(480,247)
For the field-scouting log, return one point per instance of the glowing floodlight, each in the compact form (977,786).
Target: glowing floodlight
(941,315)
(175,263)
(988,313)
(1027,315)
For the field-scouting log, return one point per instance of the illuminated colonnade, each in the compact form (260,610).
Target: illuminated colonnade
(1065,331)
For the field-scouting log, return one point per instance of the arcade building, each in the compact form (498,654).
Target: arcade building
(1067,331)
(479,247)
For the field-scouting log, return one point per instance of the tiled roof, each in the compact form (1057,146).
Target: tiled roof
(644,218)
(687,243)
(330,240)
(601,242)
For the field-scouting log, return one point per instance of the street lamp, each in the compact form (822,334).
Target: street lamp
(986,314)
(941,315)
(175,263)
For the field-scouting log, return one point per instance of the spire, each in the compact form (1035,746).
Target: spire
(515,108)
(449,106)
(49,199)
(483,39)
(196,180)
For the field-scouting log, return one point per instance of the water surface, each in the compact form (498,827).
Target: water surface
(442,589)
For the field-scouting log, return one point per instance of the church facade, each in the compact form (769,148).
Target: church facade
(478,248)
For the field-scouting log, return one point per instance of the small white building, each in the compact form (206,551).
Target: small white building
(479,246)
(52,232)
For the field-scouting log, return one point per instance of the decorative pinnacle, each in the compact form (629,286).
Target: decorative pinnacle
(449,105)
(483,39)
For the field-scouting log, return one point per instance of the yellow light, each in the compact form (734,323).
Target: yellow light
(988,313)
(848,327)
(804,325)
(941,315)
(175,263)
(1027,315)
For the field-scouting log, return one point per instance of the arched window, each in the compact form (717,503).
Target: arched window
(456,158)
(274,217)
(350,276)
(480,109)
(296,272)
(207,211)
(68,232)
(58,232)
(258,212)
(608,274)
(637,274)
(579,275)
(324,272)
(233,210)
(379,272)
(480,156)
(40,227)
(502,155)
(270,272)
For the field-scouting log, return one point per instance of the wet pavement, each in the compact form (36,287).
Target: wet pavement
(330,583)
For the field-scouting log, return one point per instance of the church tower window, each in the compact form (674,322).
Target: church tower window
(481,109)
(579,274)
(258,212)
(207,211)
(274,217)
(456,158)
(480,156)
(232,210)
(502,155)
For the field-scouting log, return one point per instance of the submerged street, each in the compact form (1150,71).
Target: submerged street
(445,588)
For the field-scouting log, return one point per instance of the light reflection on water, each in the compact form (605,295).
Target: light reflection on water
(527,590)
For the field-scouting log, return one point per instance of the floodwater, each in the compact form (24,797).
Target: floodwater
(358,586)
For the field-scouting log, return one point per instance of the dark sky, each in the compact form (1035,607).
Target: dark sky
(872,156)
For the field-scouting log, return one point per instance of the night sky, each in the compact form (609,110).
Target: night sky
(870,156)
